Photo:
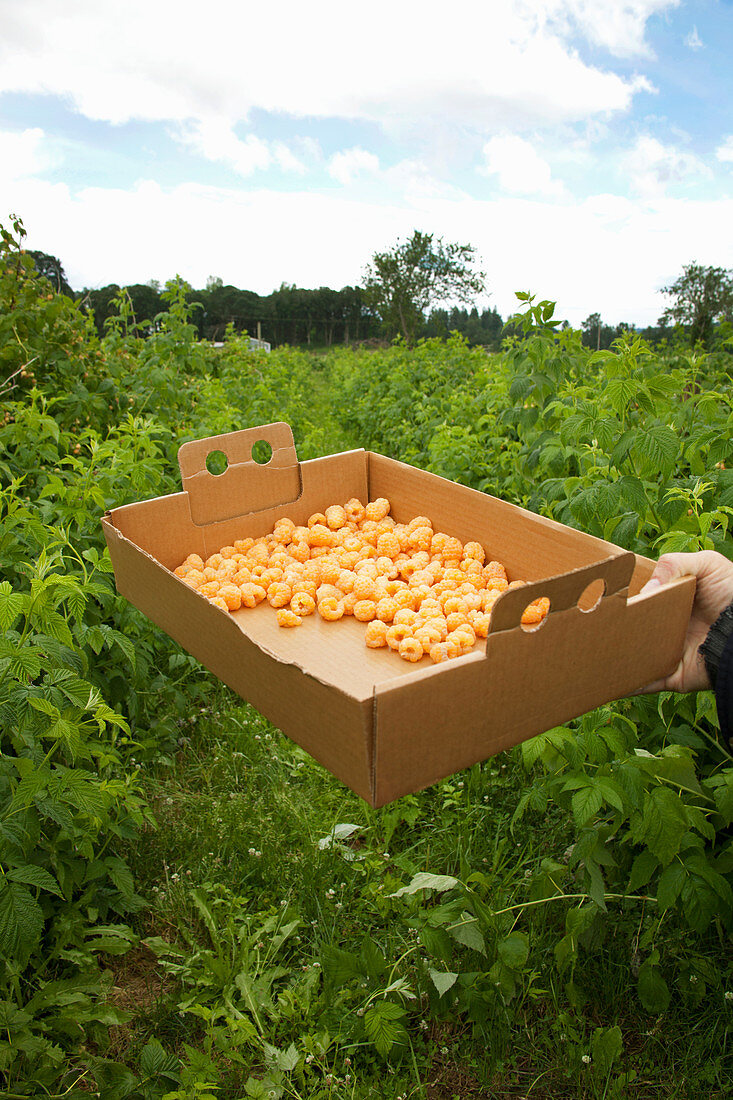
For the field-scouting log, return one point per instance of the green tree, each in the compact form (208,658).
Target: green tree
(50,267)
(701,296)
(402,283)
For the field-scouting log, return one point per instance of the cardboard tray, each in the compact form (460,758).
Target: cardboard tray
(383,726)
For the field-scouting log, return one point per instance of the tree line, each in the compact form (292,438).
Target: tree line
(404,293)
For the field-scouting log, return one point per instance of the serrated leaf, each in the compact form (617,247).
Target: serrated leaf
(154,1061)
(658,447)
(382,1027)
(12,604)
(32,875)
(21,922)
(586,803)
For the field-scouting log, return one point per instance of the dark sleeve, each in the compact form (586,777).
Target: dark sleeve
(724,690)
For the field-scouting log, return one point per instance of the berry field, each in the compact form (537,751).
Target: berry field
(191,907)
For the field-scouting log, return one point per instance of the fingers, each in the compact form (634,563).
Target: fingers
(702,564)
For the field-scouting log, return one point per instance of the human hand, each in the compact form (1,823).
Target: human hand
(713,593)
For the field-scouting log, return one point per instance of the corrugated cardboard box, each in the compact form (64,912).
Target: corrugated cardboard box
(383,726)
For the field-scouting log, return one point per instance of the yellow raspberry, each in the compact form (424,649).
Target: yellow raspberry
(318,519)
(479,620)
(452,549)
(396,634)
(302,603)
(320,536)
(194,578)
(534,613)
(349,603)
(404,616)
(386,609)
(410,649)
(354,510)
(363,587)
(455,619)
(441,652)
(286,617)
(182,570)
(475,552)
(243,545)
(195,561)
(299,551)
(214,561)
(228,551)
(489,598)
(365,610)
(232,596)
(279,594)
(218,601)
(330,569)
(388,545)
(335,517)
(376,634)
(209,589)
(427,636)
(330,609)
(252,594)
(420,538)
(377,509)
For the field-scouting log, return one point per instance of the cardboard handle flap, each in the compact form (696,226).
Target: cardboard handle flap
(583,588)
(246,485)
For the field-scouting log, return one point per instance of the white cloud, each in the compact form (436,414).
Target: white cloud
(23,154)
(724,152)
(487,66)
(615,25)
(215,139)
(693,40)
(347,165)
(651,166)
(520,168)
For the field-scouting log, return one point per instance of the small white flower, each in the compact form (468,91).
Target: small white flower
(728,995)
(586,1058)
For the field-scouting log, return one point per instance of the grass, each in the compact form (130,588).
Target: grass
(235,863)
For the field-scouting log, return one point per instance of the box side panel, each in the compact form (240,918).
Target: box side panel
(161,527)
(330,724)
(528,682)
(530,546)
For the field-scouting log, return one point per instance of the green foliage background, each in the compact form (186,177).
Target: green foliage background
(529,919)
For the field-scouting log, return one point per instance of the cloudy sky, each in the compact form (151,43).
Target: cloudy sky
(584,147)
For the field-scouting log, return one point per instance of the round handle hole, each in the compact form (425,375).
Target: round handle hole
(535,615)
(592,595)
(216,463)
(261,452)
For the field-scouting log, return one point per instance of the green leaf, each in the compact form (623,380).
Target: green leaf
(468,933)
(21,922)
(382,1027)
(642,870)
(32,875)
(586,803)
(606,1046)
(425,881)
(658,447)
(443,980)
(11,605)
(653,990)
(663,824)
(670,885)
(154,1062)
(514,950)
